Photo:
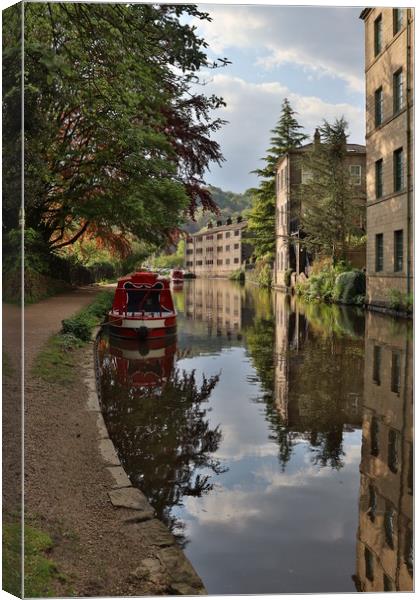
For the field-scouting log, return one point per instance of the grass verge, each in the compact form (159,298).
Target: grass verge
(57,362)
(41,573)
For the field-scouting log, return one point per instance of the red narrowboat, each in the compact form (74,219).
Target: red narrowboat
(177,276)
(142,308)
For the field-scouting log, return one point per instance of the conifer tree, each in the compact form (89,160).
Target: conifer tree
(262,216)
(331,209)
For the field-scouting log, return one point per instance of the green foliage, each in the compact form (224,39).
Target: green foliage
(40,571)
(238,275)
(170,261)
(400,301)
(118,140)
(230,204)
(330,212)
(350,287)
(262,215)
(263,272)
(334,284)
(56,363)
(288,277)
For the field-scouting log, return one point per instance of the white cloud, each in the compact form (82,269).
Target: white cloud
(253,110)
(328,41)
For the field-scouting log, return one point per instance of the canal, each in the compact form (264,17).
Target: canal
(274,439)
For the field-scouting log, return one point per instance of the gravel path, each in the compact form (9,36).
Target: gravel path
(97,547)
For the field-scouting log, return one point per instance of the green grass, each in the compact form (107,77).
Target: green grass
(57,362)
(41,573)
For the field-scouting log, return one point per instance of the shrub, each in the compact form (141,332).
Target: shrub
(350,287)
(238,275)
(400,301)
(82,324)
(288,277)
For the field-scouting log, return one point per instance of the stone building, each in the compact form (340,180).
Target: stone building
(384,555)
(389,54)
(218,251)
(290,174)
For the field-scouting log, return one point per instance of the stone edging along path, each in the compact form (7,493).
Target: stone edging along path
(168,563)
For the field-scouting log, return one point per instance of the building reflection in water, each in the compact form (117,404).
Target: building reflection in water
(385,534)
(156,416)
(318,383)
(216,302)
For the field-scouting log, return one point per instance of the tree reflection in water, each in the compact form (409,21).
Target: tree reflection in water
(161,431)
(310,390)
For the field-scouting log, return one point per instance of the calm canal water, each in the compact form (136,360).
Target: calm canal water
(274,439)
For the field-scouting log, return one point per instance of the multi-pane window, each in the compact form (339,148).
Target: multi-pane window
(396,372)
(356,174)
(227,234)
(379,176)
(379,106)
(398,250)
(236,260)
(374,437)
(398,91)
(227,248)
(397,17)
(237,232)
(398,170)
(393,450)
(220,236)
(379,252)
(227,261)
(236,246)
(376,375)
(378,35)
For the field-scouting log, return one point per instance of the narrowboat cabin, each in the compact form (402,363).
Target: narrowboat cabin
(142,308)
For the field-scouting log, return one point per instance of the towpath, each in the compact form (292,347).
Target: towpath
(66,485)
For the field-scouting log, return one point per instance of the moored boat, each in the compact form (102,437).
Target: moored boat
(142,307)
(177,276)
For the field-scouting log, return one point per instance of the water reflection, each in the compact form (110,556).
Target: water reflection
(385,534)
(274,438)
(156,416)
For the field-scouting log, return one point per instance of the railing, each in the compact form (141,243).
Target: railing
(131,305)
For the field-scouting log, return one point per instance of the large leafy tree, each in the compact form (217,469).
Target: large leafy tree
(116,142)
(331,205)
(287,134)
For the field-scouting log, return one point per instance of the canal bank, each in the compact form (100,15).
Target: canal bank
(99,547)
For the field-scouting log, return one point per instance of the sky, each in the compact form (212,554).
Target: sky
(314,56)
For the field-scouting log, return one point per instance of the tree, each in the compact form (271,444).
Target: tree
(116,143)
(330,208)
(262,216)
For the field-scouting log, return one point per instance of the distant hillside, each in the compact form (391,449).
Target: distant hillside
(229,203)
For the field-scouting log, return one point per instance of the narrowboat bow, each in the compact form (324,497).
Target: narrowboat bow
(142,308)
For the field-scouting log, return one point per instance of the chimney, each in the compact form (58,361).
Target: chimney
(229,221)
(209,225)
(219,223)
(239,219)
(317,137)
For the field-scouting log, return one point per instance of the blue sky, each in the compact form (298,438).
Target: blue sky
(312,55)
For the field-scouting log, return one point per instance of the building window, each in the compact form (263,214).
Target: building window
(220,236)
(227,248)
(379,168)
(379,252)
(199,251)
(237,232)
(378,35)
(189,251)
(219,248)
(199,263)
(200,238)
(368,564)
(393,450)
(387,584)
(372,503)
(398,170)
(236,260)
(227,261)
(398,91)
(377,365)
(227,234)
(209,237)
(396,372)
(374,437)
(397,17)
(209,249)
(389,525)
(398,250)
(356,174)
(236,246)
(379,106)
(220,261)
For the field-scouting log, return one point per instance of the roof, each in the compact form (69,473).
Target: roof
(209,231)
(357,148)
(365,13)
